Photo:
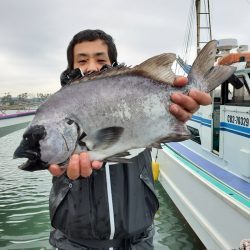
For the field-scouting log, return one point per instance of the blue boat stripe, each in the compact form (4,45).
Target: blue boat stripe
(224,126)
(235,127)
(235,132)
(201,120)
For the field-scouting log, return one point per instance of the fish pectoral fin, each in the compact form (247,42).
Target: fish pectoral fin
(157,68)
(103,138)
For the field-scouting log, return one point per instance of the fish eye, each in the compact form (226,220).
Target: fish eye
(69,121)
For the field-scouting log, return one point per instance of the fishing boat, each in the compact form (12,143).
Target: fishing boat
(208,176)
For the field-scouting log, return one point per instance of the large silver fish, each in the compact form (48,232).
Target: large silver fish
(114,111)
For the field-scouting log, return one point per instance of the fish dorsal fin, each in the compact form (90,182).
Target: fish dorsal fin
(157,68)
(115,71)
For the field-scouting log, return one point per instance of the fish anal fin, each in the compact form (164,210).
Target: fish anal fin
(175,138)
(119,157)
(156,145)
(118,160)
(179,132)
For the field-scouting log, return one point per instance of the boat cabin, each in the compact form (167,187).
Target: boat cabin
(227,120)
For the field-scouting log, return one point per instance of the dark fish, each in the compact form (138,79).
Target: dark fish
(111,112)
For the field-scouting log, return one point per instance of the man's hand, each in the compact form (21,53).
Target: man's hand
(184,106)
(79,165)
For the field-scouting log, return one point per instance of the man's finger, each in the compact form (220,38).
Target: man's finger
(180,113)
(97,164)
(85,165)
(201,98)
(185,102)
(180,81)
(56,170)
(73,169)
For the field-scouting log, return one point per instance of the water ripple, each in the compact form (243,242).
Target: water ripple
(172,230)
(24,215)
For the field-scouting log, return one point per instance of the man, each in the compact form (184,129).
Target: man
(102,206)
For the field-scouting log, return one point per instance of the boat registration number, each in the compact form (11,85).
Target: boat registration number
(239,120)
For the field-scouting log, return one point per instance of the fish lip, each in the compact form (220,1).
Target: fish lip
(31,155)
(34,165)
(34,161)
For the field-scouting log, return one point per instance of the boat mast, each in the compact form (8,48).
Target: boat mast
(203,22)
(199,24)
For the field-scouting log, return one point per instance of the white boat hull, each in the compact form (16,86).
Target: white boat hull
(219,221)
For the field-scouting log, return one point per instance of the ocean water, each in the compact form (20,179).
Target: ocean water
(24,215)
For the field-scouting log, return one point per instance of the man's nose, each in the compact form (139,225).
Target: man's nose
(91,67)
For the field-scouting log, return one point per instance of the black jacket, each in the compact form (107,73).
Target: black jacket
(80,210)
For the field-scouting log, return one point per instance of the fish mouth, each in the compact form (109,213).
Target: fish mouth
(30,148)
(31,155)
(34,161)
(25,150)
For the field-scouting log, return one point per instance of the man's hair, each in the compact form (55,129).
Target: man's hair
(91,35)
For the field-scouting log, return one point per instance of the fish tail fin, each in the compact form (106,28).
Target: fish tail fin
(204,75)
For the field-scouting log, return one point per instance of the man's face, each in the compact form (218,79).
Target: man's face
(90,56)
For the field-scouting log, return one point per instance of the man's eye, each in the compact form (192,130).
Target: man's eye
(102,61)
(82,61)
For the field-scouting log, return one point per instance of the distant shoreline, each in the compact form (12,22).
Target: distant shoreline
(28,106)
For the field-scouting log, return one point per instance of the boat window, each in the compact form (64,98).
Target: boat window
(217,95)
(237,94)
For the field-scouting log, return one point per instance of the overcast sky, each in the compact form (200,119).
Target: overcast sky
(34,34)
